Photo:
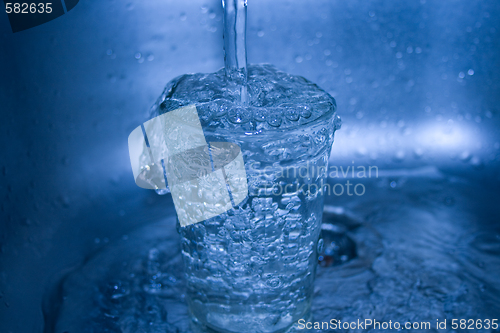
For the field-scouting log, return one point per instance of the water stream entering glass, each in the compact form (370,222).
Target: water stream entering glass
(235,53)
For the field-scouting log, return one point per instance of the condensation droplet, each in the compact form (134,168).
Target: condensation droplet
(449,201)
(464,156)
(475,161)
(400,155)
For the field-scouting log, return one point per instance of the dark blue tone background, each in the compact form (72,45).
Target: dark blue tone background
(417,84)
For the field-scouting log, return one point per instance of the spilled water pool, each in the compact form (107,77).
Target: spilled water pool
(418,246)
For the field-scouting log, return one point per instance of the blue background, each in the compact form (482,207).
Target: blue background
(417,85)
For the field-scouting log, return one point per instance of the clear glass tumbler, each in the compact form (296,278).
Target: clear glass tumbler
(252,268)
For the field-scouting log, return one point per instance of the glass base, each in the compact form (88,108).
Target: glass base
(197,327)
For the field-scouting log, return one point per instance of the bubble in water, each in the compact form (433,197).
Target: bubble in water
(238,116)
(305,111)
(273,282)
(476,161)
(292,114)
(117,289)
(274,119)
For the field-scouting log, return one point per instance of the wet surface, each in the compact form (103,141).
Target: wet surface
(418,251)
